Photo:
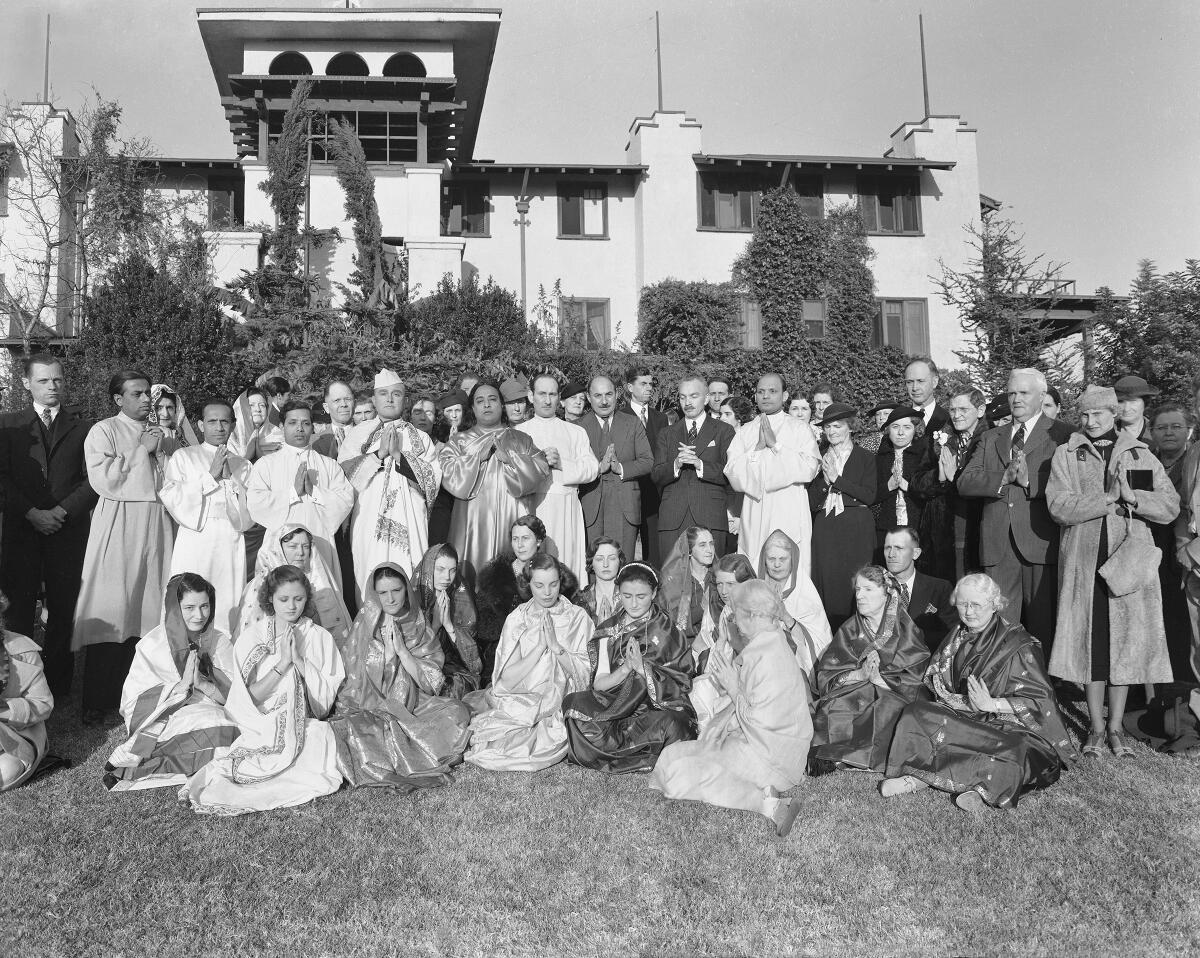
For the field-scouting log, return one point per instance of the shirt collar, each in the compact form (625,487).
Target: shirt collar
(1028,426)
(907,579)
(54,410)
(687,423)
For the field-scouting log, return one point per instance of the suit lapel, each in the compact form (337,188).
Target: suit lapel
(37,447)
(62,428)
(1004,443)
(919,599)
(1037,435)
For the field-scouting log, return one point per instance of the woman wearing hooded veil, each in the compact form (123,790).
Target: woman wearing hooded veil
(167,412)
(804,616)
(284,686)
(173,701)
(542,657)
(872,670)
(293,545)
(688,594)
(392,726)
(448,608)
(709,696)
(641,673)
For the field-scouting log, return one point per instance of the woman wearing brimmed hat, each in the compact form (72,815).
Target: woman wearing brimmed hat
(1132,394)
(900,464)
(843,536)
(1105,486)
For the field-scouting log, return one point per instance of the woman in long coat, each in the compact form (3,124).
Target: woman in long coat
(903,467)
(1105,487)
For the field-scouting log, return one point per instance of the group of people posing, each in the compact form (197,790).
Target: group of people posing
(496,575)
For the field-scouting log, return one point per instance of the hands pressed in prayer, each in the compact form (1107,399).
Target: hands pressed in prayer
(553,457)
(979,696)
(46,521)
(723,673)
(609,457)
(151,439)
(1125,493)
(947,464)
(306,480)
(1022,471)
(897,480)
(829,471)
(633,658)
(870,668)
(220,464)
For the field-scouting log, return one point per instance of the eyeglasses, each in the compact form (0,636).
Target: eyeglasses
(973,606)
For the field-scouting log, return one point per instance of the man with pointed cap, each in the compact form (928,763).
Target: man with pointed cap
(394,468)
(772,459)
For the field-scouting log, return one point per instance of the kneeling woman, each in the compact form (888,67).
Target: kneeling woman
(873,668)
(287,677)
(641,673)
(391,725)
(687,592)
(804,616)
(174,698)
(25,704)
(994,731)
(709,696)
(542,657)
(448,608)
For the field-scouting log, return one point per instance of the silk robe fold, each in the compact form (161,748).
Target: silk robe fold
(488,487)
(284,686)
(624,728)
(129,543)
(27,702)
(212,516)
(518,724)
(453,618)
(174,713)
(556,499)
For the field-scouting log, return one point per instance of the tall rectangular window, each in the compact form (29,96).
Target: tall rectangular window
(582,211)
(903,323)
(3,187)
(750,333)
(814,319)
(465,209)
(584,323)
(890,204)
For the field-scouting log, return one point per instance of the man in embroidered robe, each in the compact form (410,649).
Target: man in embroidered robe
(299,485)
(204,489)
(569,454)
(772,459)
(393,466)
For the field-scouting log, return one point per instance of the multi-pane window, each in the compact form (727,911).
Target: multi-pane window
(465,208)
(902,323)
(583,210)
(585,323)
(813,316)
(729,201)
(890,204)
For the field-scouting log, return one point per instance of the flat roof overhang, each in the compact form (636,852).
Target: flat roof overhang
(578,169)
(817,164)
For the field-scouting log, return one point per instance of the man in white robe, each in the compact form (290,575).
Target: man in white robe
(771,460)
(204,489)
(757,746)
(299,485)
(394,468)
(569,453)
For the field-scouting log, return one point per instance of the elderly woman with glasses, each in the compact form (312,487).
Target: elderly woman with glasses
(993,730)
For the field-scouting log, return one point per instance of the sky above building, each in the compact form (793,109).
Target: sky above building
(1087,112)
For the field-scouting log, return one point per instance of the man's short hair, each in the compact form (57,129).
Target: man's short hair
(1169,407)
(718,379)
(40,359)
(277,386)
(905,530)
(634,373)
(923,359)
(550,376)
(214,401)
(1039,377)
(974,396)
(291,406)
(337,382)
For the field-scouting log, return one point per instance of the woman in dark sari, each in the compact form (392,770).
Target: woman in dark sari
(391,725)
(449,610)
(687,594)
(599,599)
(640,675)
(866,677)
(993,731)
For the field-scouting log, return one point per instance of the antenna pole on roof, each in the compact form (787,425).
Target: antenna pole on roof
(658,57)
(924,70)
(46,74)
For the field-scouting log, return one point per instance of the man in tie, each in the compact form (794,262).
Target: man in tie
(718,395)
(47,510)
(1018,540)
(772,459)
(966,417)
(921,379)
(612,502)
(926,598)
(339,403)
(689,470)
(639,390)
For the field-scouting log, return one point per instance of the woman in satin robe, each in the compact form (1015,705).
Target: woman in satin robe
(805,618)
(293,545)
(288,672)
(488,467)
(641,672)
(542,657)
(173,700)
(993,731)
(606,560)
(448,608)
(502,585)
(687,594)
(708,696)
(25,705)
(391,724)
(871,671)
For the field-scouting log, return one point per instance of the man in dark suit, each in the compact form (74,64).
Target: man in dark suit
(1018,540)
(47,512)
(921,379)
(639,390)
(612,502)
(689,471)
(967,419)
(928,599)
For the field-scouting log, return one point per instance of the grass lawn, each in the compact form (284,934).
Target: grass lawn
(568,862)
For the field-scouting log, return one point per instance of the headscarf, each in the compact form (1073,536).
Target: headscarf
(678,585)
(245,433)
(185,435)
(782,540)
(328,608)
(182,642)
(801,600)
(462,626)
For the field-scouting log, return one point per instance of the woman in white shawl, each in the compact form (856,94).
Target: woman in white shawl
(805,619)
(541,657)
(288,674)
(25,704)
(292,545)
(167,412)
(174,697)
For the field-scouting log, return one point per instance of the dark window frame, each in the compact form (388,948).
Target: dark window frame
(750,329)
(870,187)
(879,331)
(758,183)
(568,189)
(584,302)
(479,188)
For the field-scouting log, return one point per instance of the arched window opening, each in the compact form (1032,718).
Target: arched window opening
(404,65)
(290,64)
(347,65)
